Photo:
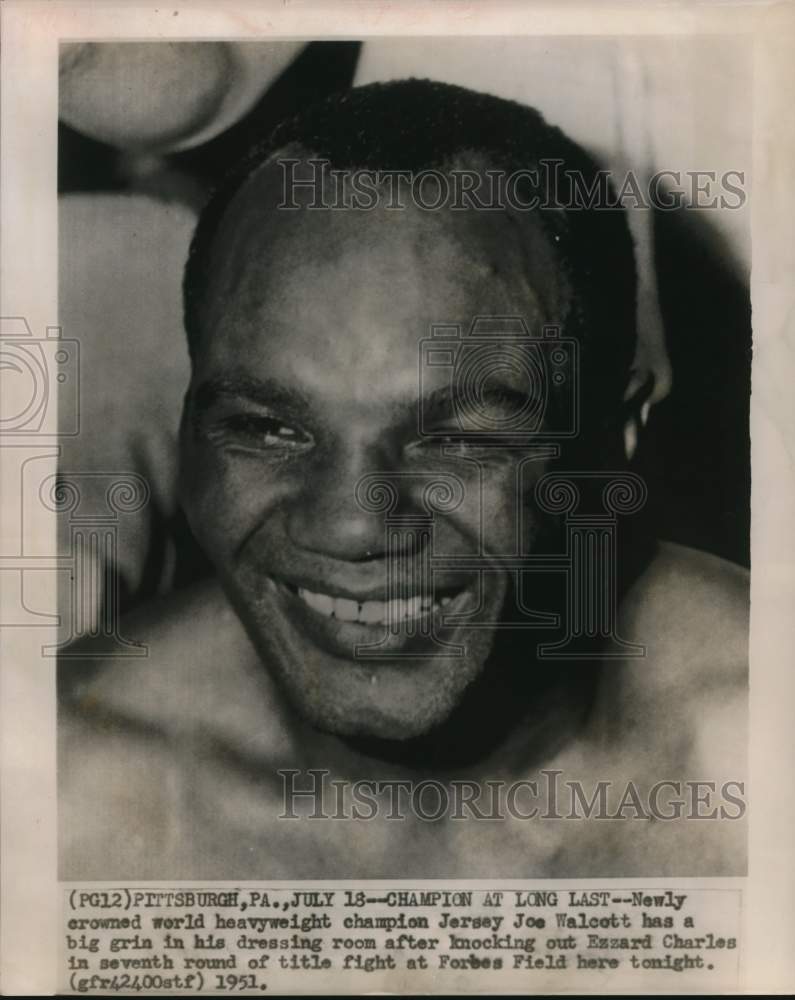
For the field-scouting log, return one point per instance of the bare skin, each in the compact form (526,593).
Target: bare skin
(304,380)
(168,764)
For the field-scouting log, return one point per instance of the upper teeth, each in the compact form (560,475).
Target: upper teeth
(370,612)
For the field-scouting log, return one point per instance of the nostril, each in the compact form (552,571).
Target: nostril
(329,529)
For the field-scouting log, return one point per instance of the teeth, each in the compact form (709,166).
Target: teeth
(413,607)
(345,610)
(320,602)
(371,612)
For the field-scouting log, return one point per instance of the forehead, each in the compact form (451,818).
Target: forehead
(350,288)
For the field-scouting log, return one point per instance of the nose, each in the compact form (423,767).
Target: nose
(326,517)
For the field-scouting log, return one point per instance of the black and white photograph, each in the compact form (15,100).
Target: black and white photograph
(442,567)
(400,494)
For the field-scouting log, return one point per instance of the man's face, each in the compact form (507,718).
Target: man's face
(305,381)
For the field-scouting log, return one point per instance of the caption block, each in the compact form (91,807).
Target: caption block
(251,940)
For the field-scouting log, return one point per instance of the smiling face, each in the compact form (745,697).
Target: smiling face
(305,380)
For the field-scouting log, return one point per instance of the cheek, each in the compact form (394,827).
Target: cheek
(226,498)
(499,510)
(503,519)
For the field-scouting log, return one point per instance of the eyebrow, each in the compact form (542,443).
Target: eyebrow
(442,402)
(262,391)
(449,399)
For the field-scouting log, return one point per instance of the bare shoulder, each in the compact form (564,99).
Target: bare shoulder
(194,650)
(133,731)
(691,611)
(683,705)
(679,713)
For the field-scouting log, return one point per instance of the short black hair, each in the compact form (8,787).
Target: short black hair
(416,125)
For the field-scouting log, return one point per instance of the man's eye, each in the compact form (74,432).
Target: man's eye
(254,431)
(485,448)
(452,443)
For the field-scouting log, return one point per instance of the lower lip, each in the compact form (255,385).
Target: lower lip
(340,638)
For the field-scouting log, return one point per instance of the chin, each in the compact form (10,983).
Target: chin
(327,679)
(400,697)
(382,699)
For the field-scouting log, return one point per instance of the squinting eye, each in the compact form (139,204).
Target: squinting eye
(485,448)
(455,445)
(449,444)
(255,431)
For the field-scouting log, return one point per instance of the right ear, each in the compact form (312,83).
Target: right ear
(637,406)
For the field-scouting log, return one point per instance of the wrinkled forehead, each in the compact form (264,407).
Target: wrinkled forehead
(423,265)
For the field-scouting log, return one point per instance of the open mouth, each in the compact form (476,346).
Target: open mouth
(392,612)
(339,623)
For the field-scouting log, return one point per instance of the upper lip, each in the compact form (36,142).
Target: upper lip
(374,592)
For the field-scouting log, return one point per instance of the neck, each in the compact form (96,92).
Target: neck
(515,716)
